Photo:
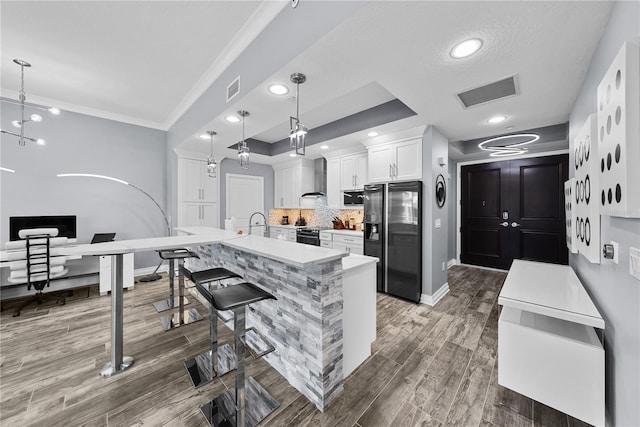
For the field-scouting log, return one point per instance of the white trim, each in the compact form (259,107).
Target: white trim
(437,296)
(459,166)
(451,263)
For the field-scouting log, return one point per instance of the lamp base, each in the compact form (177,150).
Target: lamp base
(150,277)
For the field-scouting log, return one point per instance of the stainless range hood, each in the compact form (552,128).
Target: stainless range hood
(319,179)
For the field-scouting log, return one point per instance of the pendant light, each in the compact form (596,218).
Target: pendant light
(212,166)
(298,130)
(36,118)
(243,150)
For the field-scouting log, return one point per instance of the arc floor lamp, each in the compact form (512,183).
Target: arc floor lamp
(150,277)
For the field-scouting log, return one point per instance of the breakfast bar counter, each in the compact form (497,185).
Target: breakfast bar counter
(323,322)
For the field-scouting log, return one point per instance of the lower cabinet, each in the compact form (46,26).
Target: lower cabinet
(282,233)
(343,243)
(106,270)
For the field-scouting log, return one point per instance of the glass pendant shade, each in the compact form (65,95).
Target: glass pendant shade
(298,133)
(243,149)
(212,166)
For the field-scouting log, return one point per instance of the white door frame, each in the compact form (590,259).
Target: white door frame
(459,166)
(228,193)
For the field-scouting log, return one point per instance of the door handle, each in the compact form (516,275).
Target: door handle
(504,224)
(515,224)
(390,171)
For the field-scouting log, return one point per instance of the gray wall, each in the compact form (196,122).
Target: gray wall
(86,144)
(255,169)
(452,206)
(614,291)
(434,246)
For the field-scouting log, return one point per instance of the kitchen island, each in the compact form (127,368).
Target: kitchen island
(323,322)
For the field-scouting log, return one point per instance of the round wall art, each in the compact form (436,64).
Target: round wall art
(441,190)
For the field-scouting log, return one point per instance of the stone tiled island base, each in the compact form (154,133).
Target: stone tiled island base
(304,324)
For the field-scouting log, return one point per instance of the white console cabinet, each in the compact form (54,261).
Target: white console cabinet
(548,349)
(106,270)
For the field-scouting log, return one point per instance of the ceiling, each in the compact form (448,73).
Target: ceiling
(147,62)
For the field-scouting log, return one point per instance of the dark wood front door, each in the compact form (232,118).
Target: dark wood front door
(514,210)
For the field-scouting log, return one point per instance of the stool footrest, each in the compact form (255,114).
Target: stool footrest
(199,369)
(259,404)
(256,343)
(172,320)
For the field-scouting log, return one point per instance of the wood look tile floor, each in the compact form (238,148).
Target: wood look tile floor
(431,366)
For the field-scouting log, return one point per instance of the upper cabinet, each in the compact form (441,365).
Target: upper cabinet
(353,172)
(396,161)
(292,180)
(197,194)
(195,183)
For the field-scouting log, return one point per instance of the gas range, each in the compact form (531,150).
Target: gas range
(309,235)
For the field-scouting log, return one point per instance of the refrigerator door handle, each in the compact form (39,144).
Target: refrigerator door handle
(390,170)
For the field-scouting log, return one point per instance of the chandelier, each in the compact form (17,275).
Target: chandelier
(508,145)
(212,166)
(298,131)
(36,118)
(243,150)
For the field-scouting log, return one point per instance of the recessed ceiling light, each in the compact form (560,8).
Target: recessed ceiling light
(466,48)
(509,127)
(292,154)
(232,119)
(324,147)
(54,110)
(497,119)
(278,89)
(373,133)
(204,136)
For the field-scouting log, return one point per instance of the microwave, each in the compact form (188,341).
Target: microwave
(352,198)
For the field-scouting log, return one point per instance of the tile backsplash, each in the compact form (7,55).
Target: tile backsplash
(321,216)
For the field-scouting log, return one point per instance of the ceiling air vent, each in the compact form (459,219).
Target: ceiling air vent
(491,92)
(233,89)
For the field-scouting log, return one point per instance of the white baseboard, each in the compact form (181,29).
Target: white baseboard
(437,296)
(451,263)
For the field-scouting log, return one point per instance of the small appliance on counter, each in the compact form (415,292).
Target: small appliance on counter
(285,220)
(300,221)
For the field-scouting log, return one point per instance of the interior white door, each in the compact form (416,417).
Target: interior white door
(245,195)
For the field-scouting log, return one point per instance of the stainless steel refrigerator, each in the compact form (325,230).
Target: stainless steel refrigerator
(393,233)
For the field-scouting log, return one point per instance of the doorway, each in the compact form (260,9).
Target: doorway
(514,210)
(245,195)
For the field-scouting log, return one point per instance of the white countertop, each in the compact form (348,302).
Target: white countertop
(290,226)
(355,260)
(551,290)
(346,232)
(287,252)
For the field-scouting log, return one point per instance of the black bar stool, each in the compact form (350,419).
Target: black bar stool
(173,300)
(175,320)
(248,403)
(200,367)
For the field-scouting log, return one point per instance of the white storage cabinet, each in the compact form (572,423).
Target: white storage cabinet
(396,161)
(292,180)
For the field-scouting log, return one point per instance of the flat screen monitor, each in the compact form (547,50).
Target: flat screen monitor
(66,224)
(103,237)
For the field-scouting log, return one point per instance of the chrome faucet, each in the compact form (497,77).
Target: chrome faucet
(265,224)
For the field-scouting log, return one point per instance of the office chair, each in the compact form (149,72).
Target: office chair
(35,261)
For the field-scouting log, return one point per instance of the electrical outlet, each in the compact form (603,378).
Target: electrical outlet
(634,262)
(444,266)
(438,223)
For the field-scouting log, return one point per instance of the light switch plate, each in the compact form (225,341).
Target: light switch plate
(634,262)
(438,223)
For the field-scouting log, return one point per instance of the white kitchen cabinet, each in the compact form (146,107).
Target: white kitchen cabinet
(283,233)
(353,171)
(106,270)
(349,244)
(396,161)
(195,183)
(199,214)
(197,194)
(292,179)
(334,195)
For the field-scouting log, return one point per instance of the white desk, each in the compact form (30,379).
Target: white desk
(547,347)
(116,251)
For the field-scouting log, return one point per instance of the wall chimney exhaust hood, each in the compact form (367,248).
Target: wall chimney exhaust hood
(319,179)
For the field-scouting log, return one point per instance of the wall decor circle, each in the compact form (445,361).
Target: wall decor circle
(441,190)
